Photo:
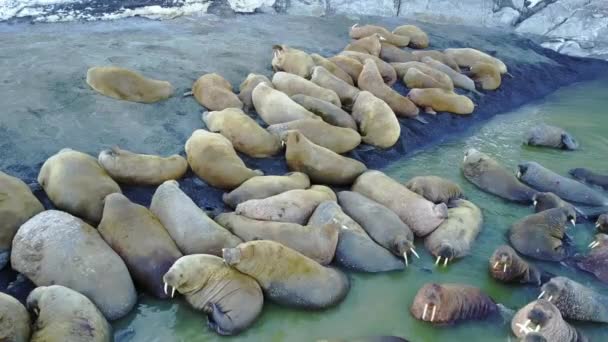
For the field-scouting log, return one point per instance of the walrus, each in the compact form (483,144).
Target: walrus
(459,80)
(590,177)
(575,301)
(420,215)
(392,54)
(369,45)
(451,303)
(275,107)
(231,300)
(602,223)
(321,164)
(62,314)
(414,78)
(550,136)
(246,88)
(141,169)
(545,180)
(330,113)
(439,77)
(260,187)
(377,121)
(438,56)
(75,182)
(293,206)
(292,60)
(356,251)
(486,75)
(467,57)
(214,92)
(436,99)
(350,65)
(596,261)
(507,266)
(547,200)
(17,205)
(292,85)
(288,277)
(14,320)
(140,240)
(346,92)
(543,318)
(124,84)
(418,38)
(316,242)
(358,32)
(213,158)
(332,67)
(371,80)
(435,189)
(381,223)
(487,174)
(56,248)
(542,235)
(455,236)
(336,139)
(188,225)
(388,73)
(245,134)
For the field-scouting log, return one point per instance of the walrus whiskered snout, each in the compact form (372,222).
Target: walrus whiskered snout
(521,170)
(445,252)
(503,262)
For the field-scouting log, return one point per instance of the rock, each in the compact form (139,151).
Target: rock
(249,6)
(506,16)
(314,8)
(550,17)
(573,48)
(384,8)
(470,12)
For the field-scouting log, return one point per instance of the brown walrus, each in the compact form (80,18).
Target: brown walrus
(332,67)
(140,240)
(141,169)
(292,85)
(435,189)
(337,139)
(231,300)
(358,32)
(275,107)
(247,86)
(507,266)
(550,136)
(371,80)
(124,84)
(245,134)
(602,223)
(420,215)
(322,165)
(14,320)
(346,92)
(392,54)
(291,60)
(450,303)
(288,277)
(317,242)
(596,261)
(543,318)
(438,77)
(467,57)
(576,301)
(75,182)
(350,65)
(259,187)
(438,56)
(377,121)
(213,158)
(369,45)
(388,73)
(215,93)
(547,200)
(330,113)
(441,100)
(418,38)
(487,75)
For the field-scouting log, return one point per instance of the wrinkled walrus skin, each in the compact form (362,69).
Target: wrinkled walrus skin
(550,136)
(288,277)
(214,92)
(246,88)
(346,92)
(377,121)
(543,318)
(337,139)
(293,61)
(590,177)
(291,85)
(124,84)
(330,113)
(507,266)
(576,301)
(14,320)
(332,67)
(276,107)
(596,260)
(418,38)
(435,189)
(260,187)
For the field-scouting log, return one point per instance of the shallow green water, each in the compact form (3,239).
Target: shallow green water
(379,304)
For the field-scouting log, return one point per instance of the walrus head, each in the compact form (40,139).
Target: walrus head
(445,251)
(528,170)
(558,288)
(427,303)
(472,155)
(502,261)
(579,173)
(534,337)
(600,240)
(568,142)
(545,200)
(403,246)
(541,314)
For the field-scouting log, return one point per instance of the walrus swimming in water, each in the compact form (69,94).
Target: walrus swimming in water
(316,242)
(487,174)
(435,189)
(231,300)
(418,38)
(275,107)
(547,200)
(332,67)
(392,54)
(330,113)
(543,318)
(63,314)
(124,84)
(292,85)
(322,165)
(602,223)
(350,65)
(369,45)
(358,32)
(550,136)
(507,266)
(140,240)
(336,139)
(288,277)
(247,86)
(420,215)
(75,182)
(371,80)
(590,177)
(440,100)
(213,158)
(259,187)
(450,303)
(545,180)
(214,92)
(291,60)
(346,92)
(389,76)
(293,206)
(14,320)
(467,57)
(141,169)
(438,56)
(188,225)
(459,80)
(440,78)
(245,134)
(486,75)
(455,236)
(542,235)
(596,261)
(17,205)
(377,121)
(575,301)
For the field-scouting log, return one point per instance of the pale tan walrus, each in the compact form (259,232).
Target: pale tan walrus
(259,187)
(292,85)
(438,56)
(487,75)
(350,65)
(358,32)
(291,60)
(275,107)
(247,86)
(369,45)
(346,92)
(389,75)
(337,139)
(468,57)
(443,80)
(14,320)
(332,67)
(439,100)
(124,84)
(418,38)
(214,92)
(377,121)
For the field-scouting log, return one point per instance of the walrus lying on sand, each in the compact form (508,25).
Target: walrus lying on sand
(215,93)
(124,84)
(418,38)
(260,187)
(346,92)
(392,54)
(439,78)
(435,100)
(467,57)
(459,80)
(358,32)
(291,85)
(486,75)
(543,318)
(15,322)
(247,86)
(369,45)
(275,107)
(388,73)
(292,60)
(377,121)
(334,138)
(507,266)
(330,113)
(332,67)
(349,65)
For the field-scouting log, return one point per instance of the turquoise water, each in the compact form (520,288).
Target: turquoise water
(379,304)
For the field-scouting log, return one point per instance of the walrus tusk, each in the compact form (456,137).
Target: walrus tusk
(188,93)
(597,225)
(495,264)
(594,244)
(405,258)
(433,313)
(504,269)
(414,252)
(537,328)
(172,292)
(354,26)
(166,289)
(541,295)
(550,297)
(382,38)
(535,202)
(437,261)
(426,306)
(518,174)
(445,262)
(573,223)
(464,159)
(282,143)
(524,327)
